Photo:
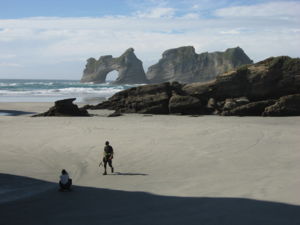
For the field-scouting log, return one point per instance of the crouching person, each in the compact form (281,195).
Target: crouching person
(65,181)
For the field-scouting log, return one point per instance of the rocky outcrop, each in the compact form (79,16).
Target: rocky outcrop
(185,104)
(65,108)
(251,90)
(268,79)
(285,106)
(128,66)
(250,109)
(185,66)
(153,99)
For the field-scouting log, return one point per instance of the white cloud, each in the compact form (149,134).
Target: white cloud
(157,13)
(6,64)
(191,16)
(284,10)
(45,42)
(7,56)
(233,31)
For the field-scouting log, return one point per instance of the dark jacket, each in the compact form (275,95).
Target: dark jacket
(108,151)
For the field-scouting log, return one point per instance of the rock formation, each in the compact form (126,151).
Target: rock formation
(130,69)
(142,99)
(185,66)
(249,109)
(285,106)
(64,108)
(179,64)
(270,88)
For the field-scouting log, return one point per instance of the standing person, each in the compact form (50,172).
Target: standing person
(107,157)
(65,182)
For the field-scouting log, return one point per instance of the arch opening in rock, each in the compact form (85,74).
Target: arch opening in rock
(111,76)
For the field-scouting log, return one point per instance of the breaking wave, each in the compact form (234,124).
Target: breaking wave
(50,90)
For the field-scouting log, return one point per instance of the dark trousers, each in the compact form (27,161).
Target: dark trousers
(107,160)
(67,185)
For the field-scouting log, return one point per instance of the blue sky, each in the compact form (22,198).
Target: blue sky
(97,8)
(62,8)
(53,39)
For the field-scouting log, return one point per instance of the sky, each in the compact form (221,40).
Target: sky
(53,39)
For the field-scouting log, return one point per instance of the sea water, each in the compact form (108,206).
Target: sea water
(52,90)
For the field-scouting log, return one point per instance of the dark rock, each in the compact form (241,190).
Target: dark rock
(184,105)
(271,78)
(86,107)
(285,106)
(148,99)
(211,104)
(231,103)
(185,66)
(130,69)
(213,107)
(201,90)
(65,108)
(230,85)
(177,88)
(250,109)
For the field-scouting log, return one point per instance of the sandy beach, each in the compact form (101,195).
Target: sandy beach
(168,169)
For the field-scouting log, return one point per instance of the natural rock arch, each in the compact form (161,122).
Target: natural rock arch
(112,76)
(129,67)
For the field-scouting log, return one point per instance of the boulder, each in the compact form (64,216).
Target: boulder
(185,66)
(231,103)
(65,108)
(250,109)
(184,104)
(130,69)
(211,104)
(285,106)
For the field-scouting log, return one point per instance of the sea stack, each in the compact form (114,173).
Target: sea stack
(129,67)
(185,66)
(181,64)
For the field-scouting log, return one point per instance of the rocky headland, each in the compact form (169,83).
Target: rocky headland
(179,64)
(267,88)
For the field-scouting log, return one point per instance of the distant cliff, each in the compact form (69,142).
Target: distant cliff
(179,64)
(185,66)
(130,69)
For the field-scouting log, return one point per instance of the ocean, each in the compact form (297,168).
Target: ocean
(15,90)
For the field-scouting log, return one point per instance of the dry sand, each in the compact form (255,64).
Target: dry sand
(168,169)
